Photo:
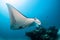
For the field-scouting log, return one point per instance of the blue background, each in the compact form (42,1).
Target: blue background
(47,11)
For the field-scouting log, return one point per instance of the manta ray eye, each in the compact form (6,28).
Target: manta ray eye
(34,18)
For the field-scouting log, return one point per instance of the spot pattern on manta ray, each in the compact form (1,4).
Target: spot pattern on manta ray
(20,27)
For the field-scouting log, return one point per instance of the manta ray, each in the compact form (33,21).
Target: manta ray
(18,20)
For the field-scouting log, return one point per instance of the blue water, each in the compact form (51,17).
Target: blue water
(47,11)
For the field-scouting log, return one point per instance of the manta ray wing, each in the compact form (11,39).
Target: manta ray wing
(17,19)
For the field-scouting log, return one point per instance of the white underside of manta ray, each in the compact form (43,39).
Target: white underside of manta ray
(18,21)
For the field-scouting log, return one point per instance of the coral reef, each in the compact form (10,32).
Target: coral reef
(41,33)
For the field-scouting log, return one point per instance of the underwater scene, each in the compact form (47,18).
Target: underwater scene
(29,19)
